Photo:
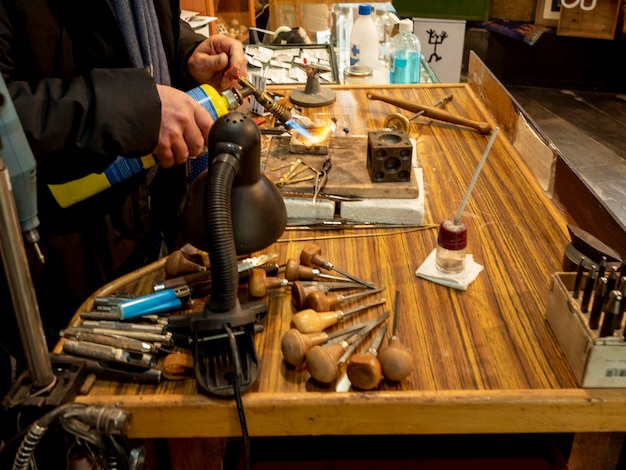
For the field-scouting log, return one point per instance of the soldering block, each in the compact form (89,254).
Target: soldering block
(389,156)
(305,208)
(408,211)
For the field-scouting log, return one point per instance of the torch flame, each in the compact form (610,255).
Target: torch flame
(309,136)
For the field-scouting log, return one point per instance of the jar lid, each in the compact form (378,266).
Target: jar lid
(358,71)
(452,236)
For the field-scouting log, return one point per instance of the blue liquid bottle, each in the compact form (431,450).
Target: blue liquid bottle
(405,55)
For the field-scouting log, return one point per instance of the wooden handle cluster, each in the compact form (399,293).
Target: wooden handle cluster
(364,371)
(311,256)
(310,321)
(321,302)
(259,282)
(177,264)
(322,362)
(396,360)
(294,270)
(295,345)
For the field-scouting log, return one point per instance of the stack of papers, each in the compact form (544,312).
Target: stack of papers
(286,64)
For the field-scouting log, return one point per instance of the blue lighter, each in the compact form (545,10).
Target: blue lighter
(159,302)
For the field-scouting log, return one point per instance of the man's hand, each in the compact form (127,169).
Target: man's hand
(185,124)
(215,56)
(184,128)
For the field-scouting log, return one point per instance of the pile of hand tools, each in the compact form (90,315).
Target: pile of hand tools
(135,338)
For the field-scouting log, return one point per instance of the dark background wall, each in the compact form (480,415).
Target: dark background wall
(553,61)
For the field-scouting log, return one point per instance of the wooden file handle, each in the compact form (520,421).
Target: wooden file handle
(432,112)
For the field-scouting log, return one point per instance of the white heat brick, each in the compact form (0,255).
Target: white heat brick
(388,210)
(304,208)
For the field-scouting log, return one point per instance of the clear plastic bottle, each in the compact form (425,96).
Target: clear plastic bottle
(343,28)
(383,49)
(364,38)
(383,22)
(405,55)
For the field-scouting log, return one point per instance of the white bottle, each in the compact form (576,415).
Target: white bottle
(364,38)
(405,55)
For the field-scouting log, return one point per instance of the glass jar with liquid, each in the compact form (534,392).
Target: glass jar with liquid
(451,247)
(356,74)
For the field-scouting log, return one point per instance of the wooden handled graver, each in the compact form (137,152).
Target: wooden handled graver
(432,112)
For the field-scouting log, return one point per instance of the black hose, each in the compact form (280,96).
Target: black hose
(222,252)
(36,432)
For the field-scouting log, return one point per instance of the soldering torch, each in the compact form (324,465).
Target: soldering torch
(21,165)
(265,99)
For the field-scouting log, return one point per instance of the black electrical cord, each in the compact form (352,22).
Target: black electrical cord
(236,387)
(119,450)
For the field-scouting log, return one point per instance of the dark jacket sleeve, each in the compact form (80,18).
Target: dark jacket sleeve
(80,102)
(189,40)
(179,42)
(83,123)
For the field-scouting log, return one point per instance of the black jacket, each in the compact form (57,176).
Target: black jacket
(81,104)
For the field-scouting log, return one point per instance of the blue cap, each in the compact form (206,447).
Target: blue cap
(365,9)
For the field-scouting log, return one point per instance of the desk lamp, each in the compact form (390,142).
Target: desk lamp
(231,209)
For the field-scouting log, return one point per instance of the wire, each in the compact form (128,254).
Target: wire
(356,235)
(121,456)
(87,423)
(236,387)
(79,429)
(45,389)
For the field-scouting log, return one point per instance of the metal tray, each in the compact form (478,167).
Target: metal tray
(288,56)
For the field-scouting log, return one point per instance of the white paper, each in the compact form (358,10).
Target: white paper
(428,270)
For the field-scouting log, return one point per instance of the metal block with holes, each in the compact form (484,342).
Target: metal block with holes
(389,156)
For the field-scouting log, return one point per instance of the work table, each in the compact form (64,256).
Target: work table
(486,360)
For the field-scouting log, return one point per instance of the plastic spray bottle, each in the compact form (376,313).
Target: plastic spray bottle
(405,55)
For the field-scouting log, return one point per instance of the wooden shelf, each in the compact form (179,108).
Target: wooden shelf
(241,10)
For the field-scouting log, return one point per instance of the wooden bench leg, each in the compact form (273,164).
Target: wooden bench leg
(599,451)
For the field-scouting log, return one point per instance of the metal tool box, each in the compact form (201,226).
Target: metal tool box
(596,362)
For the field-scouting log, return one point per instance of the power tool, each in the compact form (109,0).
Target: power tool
(20,162)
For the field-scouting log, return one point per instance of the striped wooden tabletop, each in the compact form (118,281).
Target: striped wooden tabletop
(485,358)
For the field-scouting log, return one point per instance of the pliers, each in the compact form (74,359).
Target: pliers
(322,178)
